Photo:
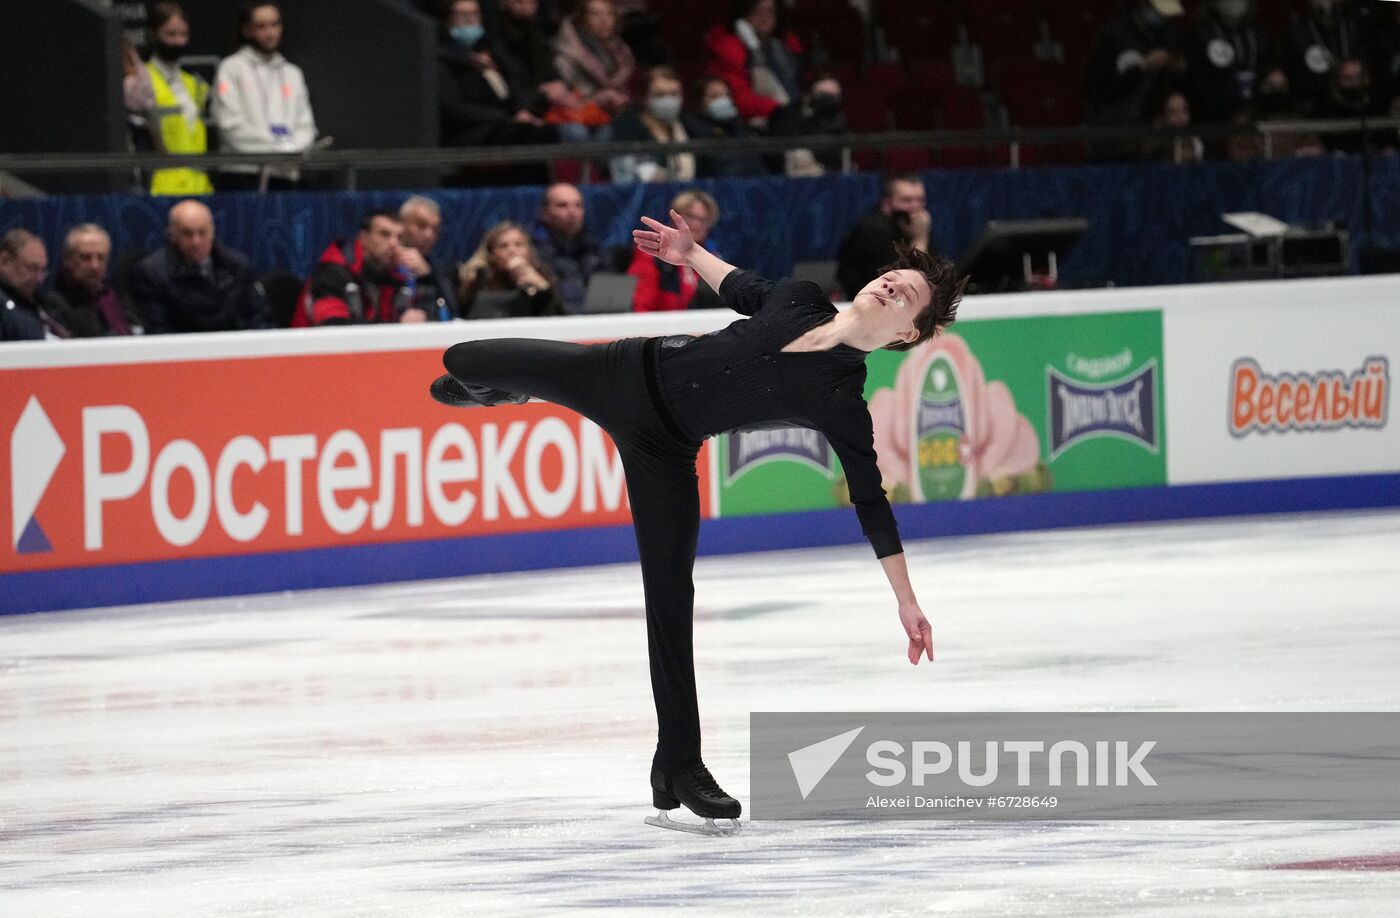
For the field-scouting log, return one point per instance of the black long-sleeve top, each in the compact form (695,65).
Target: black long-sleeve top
(740,376)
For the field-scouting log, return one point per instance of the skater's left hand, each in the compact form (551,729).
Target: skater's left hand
(919,631)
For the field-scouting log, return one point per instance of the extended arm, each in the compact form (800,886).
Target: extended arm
(916,626)
(673,244)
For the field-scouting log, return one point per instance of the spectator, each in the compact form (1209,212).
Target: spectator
(1274,102)
(591,56)
(262,105)
(521,46)
(178,102)
(901,216)
(819,112)
(361,282)
(25,313)
(1133,58)
(662,286)
(194,283)
(564,245)
(90,305)
(1173,112)
(506,262)
(658,118)
(641,29)
(717,118)
(478,106)
(1315,41)
(757,56)
(435,291)
(1349,96)
(1228,53)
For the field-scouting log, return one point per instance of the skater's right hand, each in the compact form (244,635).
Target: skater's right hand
(919,631)
(671,244)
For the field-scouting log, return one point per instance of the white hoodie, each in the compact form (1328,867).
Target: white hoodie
(261,106)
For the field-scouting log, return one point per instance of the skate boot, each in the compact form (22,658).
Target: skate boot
(449,391)
(696,788)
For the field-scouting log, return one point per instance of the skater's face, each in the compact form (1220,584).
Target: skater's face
(509,246)
(381,241)
(562,211)
(264,29)
(892,302)
(85,259)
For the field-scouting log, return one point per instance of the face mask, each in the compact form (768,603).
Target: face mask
(722,109)
(468,35)
(169,53)
(666,108)
(824,103)
(1232,10)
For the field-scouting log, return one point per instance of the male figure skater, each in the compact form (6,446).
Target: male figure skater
(796,360)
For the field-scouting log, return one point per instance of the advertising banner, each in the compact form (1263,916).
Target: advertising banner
(1301,388)
(134,462)
(997,407)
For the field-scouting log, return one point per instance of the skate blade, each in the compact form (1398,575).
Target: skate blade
(723,829)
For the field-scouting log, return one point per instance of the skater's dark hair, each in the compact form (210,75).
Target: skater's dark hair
(944,284)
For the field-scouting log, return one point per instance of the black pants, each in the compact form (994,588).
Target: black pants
(609,384)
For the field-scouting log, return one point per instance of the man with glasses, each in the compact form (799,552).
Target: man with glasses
(25,314)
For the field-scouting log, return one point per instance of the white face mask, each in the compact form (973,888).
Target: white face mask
(666,108)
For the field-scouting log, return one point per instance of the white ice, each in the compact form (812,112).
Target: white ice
(480,746)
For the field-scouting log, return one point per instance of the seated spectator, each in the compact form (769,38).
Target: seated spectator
(592,58)
(1273,102)
(656,117)
(1134,57)
(1229,50)
(564,245)
(662,286)
(715,117)
(818,112)
(521,46)
(506,262)
(1315,42)
(262,105)
(178,102)
(194,283)
(1173,112)
(899,217)
(434,287)
(25,313)
(1348,96)
(757,56)
(362,282)
(90,305)
(477,104)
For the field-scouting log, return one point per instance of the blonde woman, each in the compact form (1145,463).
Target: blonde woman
(506,262)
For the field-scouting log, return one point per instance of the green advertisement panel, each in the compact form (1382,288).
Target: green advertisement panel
(997,407)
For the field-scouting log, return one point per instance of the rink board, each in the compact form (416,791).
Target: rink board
(148,470)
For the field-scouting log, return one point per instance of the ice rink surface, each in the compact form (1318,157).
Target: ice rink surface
(481,746)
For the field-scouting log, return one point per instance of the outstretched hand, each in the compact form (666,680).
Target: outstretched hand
(919,631)
(671,244)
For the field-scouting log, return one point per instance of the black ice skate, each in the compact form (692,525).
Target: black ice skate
(696,788)
(449,391)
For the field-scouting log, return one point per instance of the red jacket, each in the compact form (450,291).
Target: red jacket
(727,58)
(338,293)
(658,292)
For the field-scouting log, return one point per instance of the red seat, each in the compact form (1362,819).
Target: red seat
(918,29)
(866,109)
(1005,27)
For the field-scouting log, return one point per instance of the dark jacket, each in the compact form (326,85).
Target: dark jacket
(723,165)
(1312,48)
(1116,87)
(471,113)
(866,249)
(346,290)
(93,315)
(1226,62)
(24,319)
(522,51)
(172,295)
(573,262)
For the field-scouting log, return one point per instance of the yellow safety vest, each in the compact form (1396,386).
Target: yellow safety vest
(173,134)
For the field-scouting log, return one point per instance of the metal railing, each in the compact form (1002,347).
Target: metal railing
(1011,141)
